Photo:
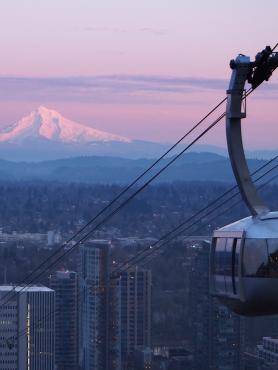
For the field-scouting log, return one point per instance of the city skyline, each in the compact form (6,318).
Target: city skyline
(138,185)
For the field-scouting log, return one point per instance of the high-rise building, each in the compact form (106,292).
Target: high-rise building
(253,330)
(27,331)
(143,358)
(216,334)
(225,338)
(115,314)
(200,306)
(268,353)
(65,284)
(135,288)
(97,313)
(114,326)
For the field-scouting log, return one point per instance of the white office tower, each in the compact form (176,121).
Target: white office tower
(98,310)
(27,328)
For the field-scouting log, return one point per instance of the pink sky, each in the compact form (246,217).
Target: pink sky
(112,65)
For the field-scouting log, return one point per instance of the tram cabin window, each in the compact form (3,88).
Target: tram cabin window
(226,264)
(260,258)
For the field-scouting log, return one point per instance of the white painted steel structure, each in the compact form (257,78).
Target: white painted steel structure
(244,255)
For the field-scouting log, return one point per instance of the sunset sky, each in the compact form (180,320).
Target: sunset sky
(145,69)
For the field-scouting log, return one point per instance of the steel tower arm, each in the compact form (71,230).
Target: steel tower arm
(255,72)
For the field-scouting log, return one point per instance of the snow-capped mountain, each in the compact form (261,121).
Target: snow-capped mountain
(50,125)
(46,135)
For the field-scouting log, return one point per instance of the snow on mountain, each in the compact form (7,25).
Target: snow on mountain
(50,125)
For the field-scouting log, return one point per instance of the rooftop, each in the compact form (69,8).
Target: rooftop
(18,288)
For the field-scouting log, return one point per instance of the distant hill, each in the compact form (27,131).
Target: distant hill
(108,170)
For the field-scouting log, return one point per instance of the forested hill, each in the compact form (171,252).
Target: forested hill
(112,170)
(39,207)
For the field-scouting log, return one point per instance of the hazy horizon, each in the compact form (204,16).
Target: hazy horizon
(111,67)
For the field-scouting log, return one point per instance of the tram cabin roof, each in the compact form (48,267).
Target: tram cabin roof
(259,227)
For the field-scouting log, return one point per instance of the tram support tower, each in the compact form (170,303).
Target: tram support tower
(244,255)
(255,73)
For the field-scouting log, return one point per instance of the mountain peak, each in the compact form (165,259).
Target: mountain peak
(48,124)
(43,111)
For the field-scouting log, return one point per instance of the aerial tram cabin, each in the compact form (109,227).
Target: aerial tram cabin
(244,254)
(244,265)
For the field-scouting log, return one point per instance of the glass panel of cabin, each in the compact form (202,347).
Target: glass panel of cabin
(272,245)
(219,265)
(228,264)
(236,252)
(255,258)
